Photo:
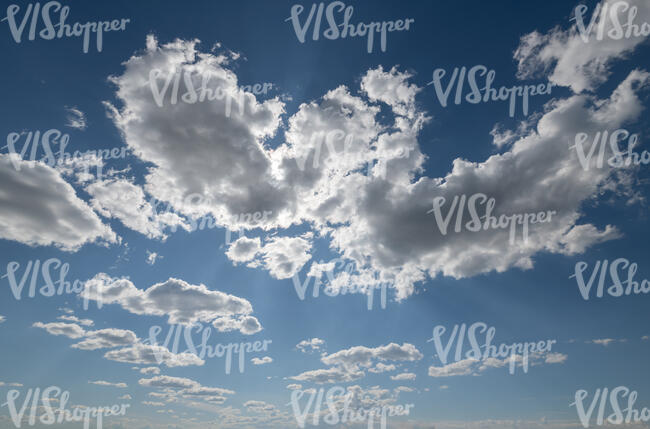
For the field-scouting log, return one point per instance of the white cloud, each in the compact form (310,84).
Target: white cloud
(247,325)
(126,397)
(368,198)
(285,256)
(74,319)
(152,257)
(555,358)
(2,318)
(152,370)
(364,356)
(180,301)
(243,249)
(381,367)
(76,118)
(462,367)
(262,361)
(121,199)
(475,367)
(39,208)
(346,365)
(403,376)
(311,345)
(106,383)
(329,375)
(106,338)
(144,354)
(173,389)
(70,330)
(569,59)
(604,341)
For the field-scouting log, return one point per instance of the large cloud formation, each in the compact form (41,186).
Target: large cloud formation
(357,181)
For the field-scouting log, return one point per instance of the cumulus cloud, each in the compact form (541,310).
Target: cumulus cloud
(311,345)
(39,208)
(243,249)
(121,199)
(74,319)
(173,389)
(262,361)
(381,367)
(462,367)
(569,59)
(285,256)
(403,376)
(247,325)
(146,354)
(133,351)
(106,338)
(364,356)
(475,366)
(182,302)
(329,375)
(348,364)
(356,180)
(152,370)
(70,330)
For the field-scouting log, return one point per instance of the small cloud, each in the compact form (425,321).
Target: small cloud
(556,358)
(152,257)
(126,397)
(310,346)
(403,376)
(444,387)
(263,361)
(645,338)
(106,383)
(152,370)
(2,318)
(603,342)
(74,319)
(76,118)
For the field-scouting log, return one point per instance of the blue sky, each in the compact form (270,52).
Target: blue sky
(249,162)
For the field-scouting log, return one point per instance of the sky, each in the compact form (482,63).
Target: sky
(317,175)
